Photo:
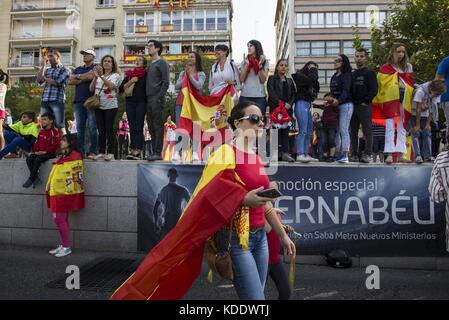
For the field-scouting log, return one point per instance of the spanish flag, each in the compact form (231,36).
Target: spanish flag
(172,266)
(209,113)
(65,186)
(387,104)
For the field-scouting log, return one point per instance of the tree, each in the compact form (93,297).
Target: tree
(423,27)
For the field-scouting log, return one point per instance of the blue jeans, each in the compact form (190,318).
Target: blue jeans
(136,116)
(422,137)
(305,126)
(56,108)
(12,142)
(250,266)
(83,116)
(262,102)
(345,115)
(178,110)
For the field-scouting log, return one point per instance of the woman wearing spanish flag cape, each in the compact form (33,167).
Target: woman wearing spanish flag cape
(392,106)
(226,192)
(65,190)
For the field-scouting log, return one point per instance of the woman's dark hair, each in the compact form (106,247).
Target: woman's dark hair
(157,45)
(198,61)
(29,114)
(346,65)
(239,112)
(277,65)
(258,46)
(305,69)
(222,47)
(114,63)
(72,141)
(4,77)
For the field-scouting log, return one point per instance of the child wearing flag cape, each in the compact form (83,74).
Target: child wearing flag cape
(65,190)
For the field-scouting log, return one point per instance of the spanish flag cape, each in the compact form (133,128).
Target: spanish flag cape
(65,186)
(172,266)
(387,104)
(209,113)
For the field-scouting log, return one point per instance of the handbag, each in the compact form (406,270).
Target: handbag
(129,92)
(218,253)
(93,102)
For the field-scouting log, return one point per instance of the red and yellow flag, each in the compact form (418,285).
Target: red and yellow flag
(65,186)
(172,266)
(209,113)
(387,104)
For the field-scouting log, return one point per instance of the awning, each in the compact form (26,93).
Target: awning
(104,24)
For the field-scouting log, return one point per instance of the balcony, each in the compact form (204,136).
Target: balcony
(40,36)
(192,30)
(31,7)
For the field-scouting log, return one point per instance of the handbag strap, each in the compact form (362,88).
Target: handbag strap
(99,92)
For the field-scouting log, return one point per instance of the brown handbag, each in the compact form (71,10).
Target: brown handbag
(219,259)
(93,102)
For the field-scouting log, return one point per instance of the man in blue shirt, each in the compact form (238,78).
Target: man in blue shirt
(81,78)
(55,80)
(443,74)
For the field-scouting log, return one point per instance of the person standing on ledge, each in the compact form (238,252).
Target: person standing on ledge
(158,81)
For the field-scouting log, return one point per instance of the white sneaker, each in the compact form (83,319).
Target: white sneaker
(195,157)
(109,157)
(99,157)
(304,159)
(55,251)
(63,252)
(311,159)
(176,157)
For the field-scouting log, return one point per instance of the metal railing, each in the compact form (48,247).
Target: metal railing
(35,5)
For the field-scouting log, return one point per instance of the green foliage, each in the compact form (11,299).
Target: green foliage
(423,27)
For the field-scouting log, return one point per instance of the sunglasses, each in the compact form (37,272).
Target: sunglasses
(253,118)
(338,60)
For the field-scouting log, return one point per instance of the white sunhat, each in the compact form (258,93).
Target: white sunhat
(89,51)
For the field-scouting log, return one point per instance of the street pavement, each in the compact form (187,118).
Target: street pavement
(25,271)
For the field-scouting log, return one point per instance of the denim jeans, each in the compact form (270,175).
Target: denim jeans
(422,137)
(345,115)
(262,102)
(85,116)
(250,266)
(136,116)
(305,126)
(56,108)
(12,142)
(178,110)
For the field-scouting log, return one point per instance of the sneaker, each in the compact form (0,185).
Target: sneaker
(354,159)
(312,159)
(365,159)
(63,252)
(91,156)
(343,159)
(55,251)
(402,159)
(195,156)
(100,156)
(109,157)
(36,182)
(12,155)
(430,159)
(389,159)
(286,157)
(27,184)
(419,160)
(303,158)
(155,157)
(177,157)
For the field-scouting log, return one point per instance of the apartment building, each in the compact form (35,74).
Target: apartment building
(319,30)
(118,27)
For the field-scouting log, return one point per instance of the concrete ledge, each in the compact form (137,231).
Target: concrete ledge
(122,214)
(5,236)
(443,264)
(36,237)
(21,210)
(106,241)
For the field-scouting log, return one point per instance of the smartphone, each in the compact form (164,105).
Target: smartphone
(44,53)
(270,193)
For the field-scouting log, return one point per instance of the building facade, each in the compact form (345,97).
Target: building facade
(319,30)
(118,27)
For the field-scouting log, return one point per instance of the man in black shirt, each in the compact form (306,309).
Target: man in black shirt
(364,89)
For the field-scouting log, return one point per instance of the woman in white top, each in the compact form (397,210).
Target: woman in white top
(253,75)
(106,82)
(224,73)
(4,84)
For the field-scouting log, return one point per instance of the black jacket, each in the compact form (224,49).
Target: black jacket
(307,85)
(275,92)
(341,87)
(364,86)
(139,92)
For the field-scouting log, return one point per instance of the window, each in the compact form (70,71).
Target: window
(129,28)
(106,3)
(332,20)
(317,20)
(188,21)
(349,19)
(318,48)
(332,48)
(302,20)
(303,48)
(210,20)
(104,27)
(222,20)
(166,19)
(348,48)
(177,19)
(324,76)
(29,57)
(150,21)
(199,20)
(102,51)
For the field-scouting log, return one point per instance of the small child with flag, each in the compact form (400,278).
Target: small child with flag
(65,190)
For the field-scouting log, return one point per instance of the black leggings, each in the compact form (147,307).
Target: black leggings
(105,124)
(279,275)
